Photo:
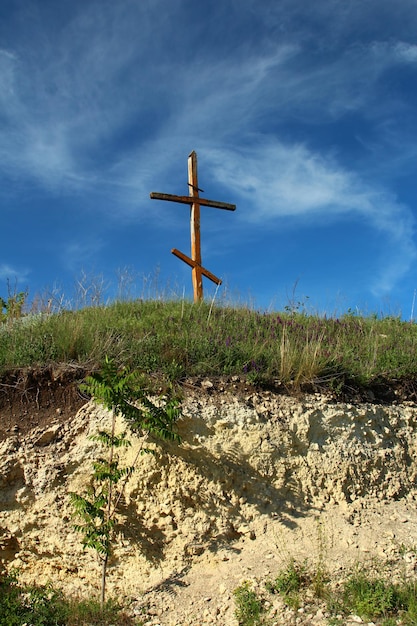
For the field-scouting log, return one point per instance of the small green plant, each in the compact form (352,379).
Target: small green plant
(119,391)
(91,612)
(249,608)
(290,582)
(319,575)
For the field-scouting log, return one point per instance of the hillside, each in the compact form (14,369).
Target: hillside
(260,478)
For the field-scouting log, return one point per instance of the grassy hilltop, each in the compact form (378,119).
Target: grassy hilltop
(178,339)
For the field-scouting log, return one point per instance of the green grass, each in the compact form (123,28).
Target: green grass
(362,593)
(176,339)
(46,606)
(375,598)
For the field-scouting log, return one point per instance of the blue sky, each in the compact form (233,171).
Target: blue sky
(303,114)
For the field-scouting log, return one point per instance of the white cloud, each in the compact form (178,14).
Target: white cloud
(12,274)
(385,54)
(277,181)
(406,52)
(7,65)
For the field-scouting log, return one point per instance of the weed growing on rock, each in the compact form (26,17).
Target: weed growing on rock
(120,392)
(320,576)
(289,583)
(249,607)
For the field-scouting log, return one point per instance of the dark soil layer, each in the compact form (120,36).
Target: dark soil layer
(37,396)
(33,397)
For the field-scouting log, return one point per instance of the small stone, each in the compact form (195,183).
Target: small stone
(48,436)
(195,550)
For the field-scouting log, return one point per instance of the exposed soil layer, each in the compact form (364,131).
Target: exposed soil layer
(34,397)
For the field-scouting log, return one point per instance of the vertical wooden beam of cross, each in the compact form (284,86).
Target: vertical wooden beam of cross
(194,200)
(193,191)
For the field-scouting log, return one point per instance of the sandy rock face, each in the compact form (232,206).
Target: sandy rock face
(250,471)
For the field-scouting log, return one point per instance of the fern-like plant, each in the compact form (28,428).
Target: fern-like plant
(121,392)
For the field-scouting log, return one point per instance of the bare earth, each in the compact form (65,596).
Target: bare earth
(260,478)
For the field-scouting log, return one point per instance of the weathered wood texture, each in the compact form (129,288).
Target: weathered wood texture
(194,200)
(192,263)
(215,204)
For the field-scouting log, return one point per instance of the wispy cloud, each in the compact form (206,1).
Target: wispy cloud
(69,107)
(406,52)
(13,274)
(275,181)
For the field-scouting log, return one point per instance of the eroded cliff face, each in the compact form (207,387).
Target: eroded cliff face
(249,469)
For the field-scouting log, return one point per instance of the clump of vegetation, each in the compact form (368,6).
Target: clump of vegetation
(372,598)
(47,606)
(11,309)
(175,339)
(249,607)
(290,582)
(375,598)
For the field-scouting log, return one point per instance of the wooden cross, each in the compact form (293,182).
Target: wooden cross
(194,200)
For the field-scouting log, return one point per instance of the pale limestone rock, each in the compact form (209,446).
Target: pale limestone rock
(252,476)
